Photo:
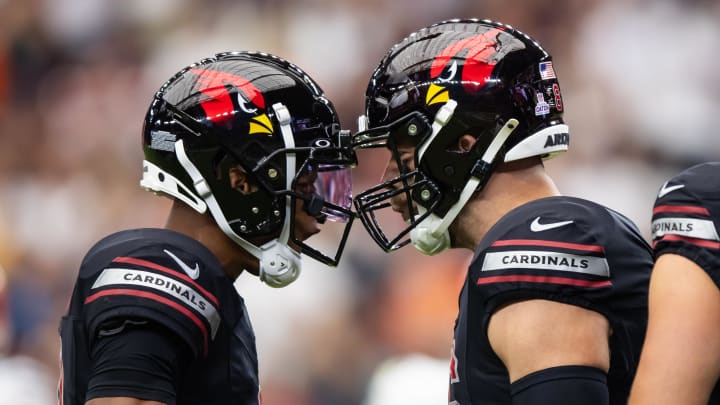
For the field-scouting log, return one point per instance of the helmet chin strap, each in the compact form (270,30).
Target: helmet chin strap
(431,235)
(279,265)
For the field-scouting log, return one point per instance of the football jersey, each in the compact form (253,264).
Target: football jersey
(172,280)
(562,249)
(686,219)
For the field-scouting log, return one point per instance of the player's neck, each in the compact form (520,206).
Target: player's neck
(203,229)
(509,187)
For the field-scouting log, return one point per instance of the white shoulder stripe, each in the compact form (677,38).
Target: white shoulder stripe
(690,227)
(546,260)
(183,292)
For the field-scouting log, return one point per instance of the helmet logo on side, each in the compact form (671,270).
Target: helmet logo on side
(219,106)
(475,69)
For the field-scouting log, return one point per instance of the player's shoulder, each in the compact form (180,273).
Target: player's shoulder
(559,219)
(157,275)
(692,191)
(561,234)
(554,248)
(698,182)
(686,214)
(157,250)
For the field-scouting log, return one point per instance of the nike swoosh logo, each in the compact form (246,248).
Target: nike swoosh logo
(536,226)
(194,273)
(665,189)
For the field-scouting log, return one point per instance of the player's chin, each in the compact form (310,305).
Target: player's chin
(404,213)
(306,230)
(312,231)
(401,207)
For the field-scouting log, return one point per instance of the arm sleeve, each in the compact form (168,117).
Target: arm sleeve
(137,359)
(568,385)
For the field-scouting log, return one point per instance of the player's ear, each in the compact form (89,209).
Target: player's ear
(241,181)
(466,142)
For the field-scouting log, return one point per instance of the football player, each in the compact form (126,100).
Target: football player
(251,152)
(680,362)
(553,310)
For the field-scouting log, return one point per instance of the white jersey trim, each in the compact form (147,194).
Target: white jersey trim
(690,227)
(181,291)
(546,260)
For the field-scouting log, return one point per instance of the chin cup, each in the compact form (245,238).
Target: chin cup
(279,265)
(427,241)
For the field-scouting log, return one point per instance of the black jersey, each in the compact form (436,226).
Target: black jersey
(562,249)
(171,280)
(686,219)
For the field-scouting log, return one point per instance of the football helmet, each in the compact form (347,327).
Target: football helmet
(453,78)
(263,115)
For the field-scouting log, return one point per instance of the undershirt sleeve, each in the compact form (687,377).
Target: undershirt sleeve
(568,385)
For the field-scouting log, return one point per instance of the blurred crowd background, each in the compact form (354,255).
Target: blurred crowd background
(641,84)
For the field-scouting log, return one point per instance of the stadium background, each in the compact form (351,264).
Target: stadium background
(640,81)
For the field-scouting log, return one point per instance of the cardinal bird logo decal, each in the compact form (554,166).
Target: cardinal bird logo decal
(219,105)
(475,69)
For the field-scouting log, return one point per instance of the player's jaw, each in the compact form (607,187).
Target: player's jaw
(306,225)
(398,203)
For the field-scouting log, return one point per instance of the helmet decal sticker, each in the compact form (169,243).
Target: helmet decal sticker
(558,97)
(219,107)
(162,140)
(449,74)
(546,71)
(476,69)
(542,107)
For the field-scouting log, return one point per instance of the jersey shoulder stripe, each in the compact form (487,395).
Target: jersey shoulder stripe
(549,243)
(682,209)
(135,278)
(159,299)
(567,257)
(693,241)
(684,227)
(686,219)
(545,280)
(173,272)
(597,258)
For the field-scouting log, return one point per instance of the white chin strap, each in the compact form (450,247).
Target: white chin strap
(279,265)
(431,235)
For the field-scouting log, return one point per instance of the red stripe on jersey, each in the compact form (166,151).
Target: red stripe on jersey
(686,209)
(155,266)
(549,243)
(544,280)
(692,241)
(157,298)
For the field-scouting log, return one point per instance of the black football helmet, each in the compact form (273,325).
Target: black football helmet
(453,78)
(264,115)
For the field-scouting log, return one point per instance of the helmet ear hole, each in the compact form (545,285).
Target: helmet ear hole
(466,142)
(241,181)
